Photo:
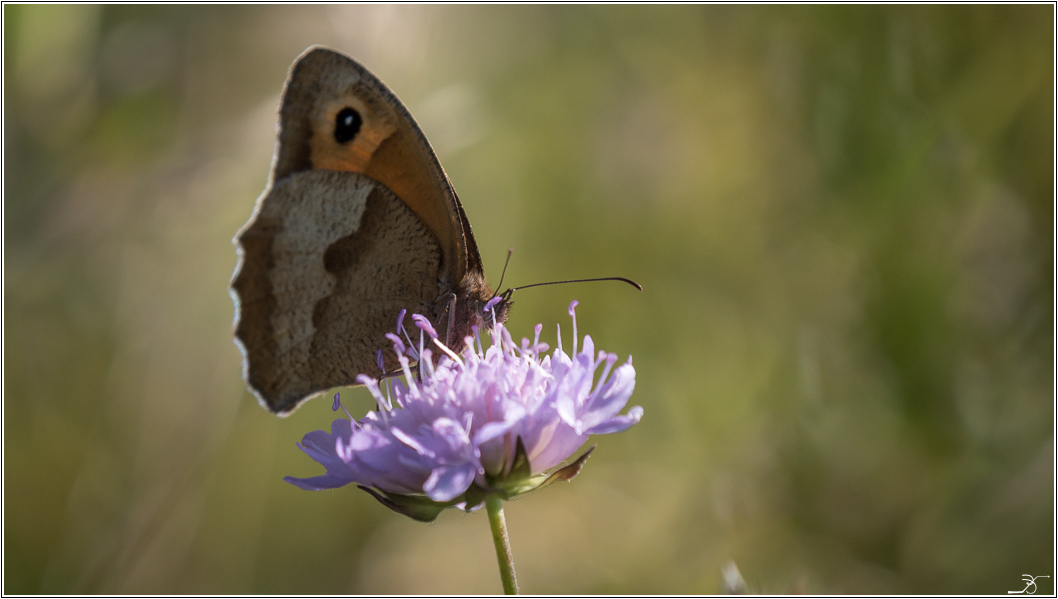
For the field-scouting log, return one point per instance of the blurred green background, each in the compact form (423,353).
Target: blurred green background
(842,218)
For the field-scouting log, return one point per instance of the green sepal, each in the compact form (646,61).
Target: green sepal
(570,471)
(520,469)
(416,507)
(519,480)
(516,486)
(474,497)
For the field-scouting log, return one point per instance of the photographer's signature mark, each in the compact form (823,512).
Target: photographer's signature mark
(1030,581)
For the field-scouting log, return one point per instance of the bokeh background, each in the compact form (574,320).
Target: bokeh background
(842,218)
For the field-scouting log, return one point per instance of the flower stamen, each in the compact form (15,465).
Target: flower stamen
(446,350)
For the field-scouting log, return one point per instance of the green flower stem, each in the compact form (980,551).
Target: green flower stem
(494,506)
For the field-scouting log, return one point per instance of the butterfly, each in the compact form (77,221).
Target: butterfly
(358,222)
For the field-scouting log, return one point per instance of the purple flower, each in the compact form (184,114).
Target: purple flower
(463,426)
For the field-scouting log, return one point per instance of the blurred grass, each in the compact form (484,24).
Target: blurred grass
(842,218)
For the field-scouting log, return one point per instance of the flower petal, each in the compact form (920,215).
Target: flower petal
(617,423)
(319,483)
(448,482)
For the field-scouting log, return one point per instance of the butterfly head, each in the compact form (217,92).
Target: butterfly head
(472,305)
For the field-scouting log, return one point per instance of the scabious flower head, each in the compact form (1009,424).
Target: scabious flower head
(460,427)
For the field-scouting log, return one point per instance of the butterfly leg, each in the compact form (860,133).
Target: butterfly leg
(451,320)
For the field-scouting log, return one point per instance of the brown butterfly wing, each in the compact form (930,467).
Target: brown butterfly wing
(328,261)
(389,147)
(356,224)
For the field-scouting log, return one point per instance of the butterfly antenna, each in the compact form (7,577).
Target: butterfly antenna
(507,294)
(504,273)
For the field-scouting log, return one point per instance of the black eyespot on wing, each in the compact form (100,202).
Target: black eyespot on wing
(347,125)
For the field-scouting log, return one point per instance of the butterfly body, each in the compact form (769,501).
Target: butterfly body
(358,222)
